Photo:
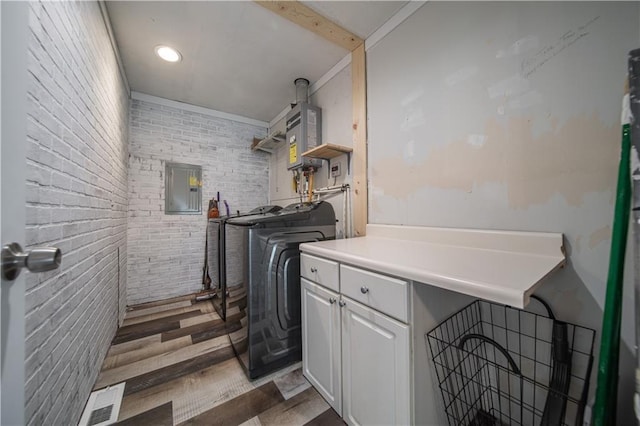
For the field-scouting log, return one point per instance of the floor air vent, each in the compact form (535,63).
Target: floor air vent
(103,406)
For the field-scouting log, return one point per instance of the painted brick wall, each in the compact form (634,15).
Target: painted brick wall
(77,201)
(166,252)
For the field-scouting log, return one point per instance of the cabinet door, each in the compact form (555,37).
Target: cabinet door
(375,366)
(321,342)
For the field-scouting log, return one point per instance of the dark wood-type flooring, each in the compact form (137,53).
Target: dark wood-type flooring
(179,368)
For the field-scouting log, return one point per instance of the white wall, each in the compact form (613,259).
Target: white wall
(334,98)
(507,116)
(77,201)
(166,252)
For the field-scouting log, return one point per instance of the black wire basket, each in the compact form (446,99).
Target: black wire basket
(497,365)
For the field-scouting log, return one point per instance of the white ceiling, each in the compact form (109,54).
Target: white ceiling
(238,57)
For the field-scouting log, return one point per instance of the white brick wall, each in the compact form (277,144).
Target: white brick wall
(166,252)
(77,201)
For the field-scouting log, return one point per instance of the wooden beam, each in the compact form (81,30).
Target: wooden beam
(308,18)
(359,93)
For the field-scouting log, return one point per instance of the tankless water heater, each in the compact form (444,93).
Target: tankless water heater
(304,129)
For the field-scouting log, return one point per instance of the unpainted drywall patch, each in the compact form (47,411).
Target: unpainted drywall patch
(572,160)
(525,100)
(413,98)
(511,86)
(518,47)
(476,140)
(409,151)
(461,75)
(414,118)
(600,235)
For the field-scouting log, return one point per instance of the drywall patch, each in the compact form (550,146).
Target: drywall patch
(412,98)
(525,100)
(520,46)
(476,140)
(409,151)
(414,118)
(413,114)
(600,235)
(511,86)
(571,160)
(461,75)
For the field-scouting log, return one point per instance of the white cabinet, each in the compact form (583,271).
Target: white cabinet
(375,367)
(357,354)
(320,271)
(380,292)
(321,342)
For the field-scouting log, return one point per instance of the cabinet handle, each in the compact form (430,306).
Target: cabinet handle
(332,300)
(364,290)
(342,303)
(314,270)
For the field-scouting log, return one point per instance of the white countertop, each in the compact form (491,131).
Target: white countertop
(499,266)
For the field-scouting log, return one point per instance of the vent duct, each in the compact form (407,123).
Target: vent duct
(302,90)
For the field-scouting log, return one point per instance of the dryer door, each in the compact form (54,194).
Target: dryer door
(282,290)
(273,308)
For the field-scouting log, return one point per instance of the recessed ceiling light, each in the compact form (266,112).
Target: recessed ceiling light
(169,54)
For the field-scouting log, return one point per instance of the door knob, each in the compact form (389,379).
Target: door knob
(332,300)
(364,290)
(314,270)
(342,303)
(37,260)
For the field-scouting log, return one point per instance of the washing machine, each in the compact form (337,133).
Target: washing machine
(265,331)
(224,256)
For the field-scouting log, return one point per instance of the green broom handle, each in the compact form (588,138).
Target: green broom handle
(604,409)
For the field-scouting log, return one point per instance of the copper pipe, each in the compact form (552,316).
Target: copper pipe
(310,184)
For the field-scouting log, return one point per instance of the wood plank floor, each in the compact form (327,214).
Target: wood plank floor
(179,368)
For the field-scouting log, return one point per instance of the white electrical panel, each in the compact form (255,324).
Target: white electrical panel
(336,170)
